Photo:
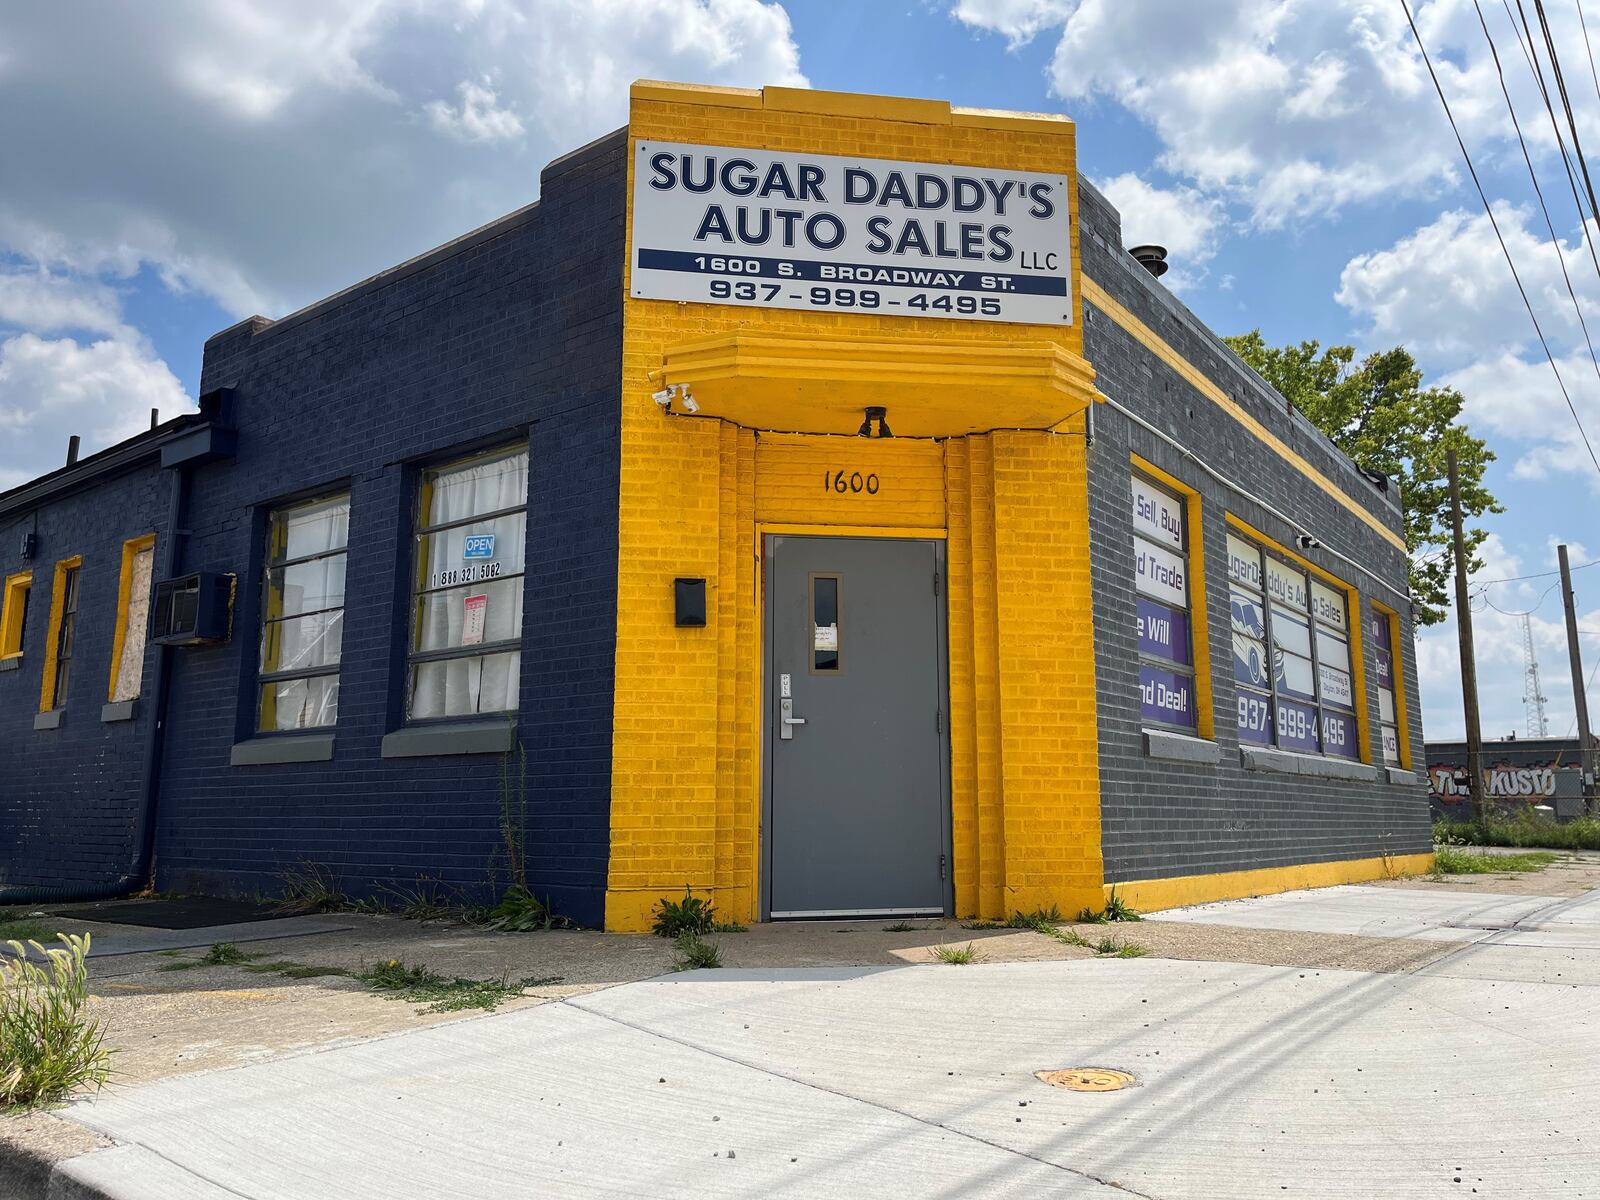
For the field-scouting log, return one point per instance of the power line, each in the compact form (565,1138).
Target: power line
(1555,242)
(1538,575)
(1566,105)
(1500,237)
(1583,24)
(1539,603)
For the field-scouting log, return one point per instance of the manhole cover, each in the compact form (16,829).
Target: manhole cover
(1087,1079)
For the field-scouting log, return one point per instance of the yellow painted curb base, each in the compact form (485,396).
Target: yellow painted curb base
(1153,895)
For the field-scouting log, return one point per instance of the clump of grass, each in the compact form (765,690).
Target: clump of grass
(1453,860)
(1116,909)
(50,1048)
(729,927)
(898,927)
(520,911)
(417,984)
(424,901)
(1113,947)
(224,954)
(293,970)
(309,887)
(689,915)
(957,956)
(1040,920)
(1525,830)
(691,952)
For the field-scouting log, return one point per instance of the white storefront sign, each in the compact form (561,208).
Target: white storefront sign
(719,225)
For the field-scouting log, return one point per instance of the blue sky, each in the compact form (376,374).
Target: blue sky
(192,163)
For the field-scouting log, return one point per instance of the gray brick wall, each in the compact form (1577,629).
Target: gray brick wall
(1162,818)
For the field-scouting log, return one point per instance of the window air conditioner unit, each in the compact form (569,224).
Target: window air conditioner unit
(192,610)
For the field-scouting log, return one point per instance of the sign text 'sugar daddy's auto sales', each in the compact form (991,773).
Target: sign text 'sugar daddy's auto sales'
(819,232)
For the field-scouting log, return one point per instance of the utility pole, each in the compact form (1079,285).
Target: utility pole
(1469,661)
(1580,701)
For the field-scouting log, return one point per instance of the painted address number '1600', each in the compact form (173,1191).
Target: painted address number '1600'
(847,483)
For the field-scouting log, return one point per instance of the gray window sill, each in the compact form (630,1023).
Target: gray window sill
(289,748)
(14,662)
(119,710)
(1286,762)
(1180,747)
(49,720)
(453,737)
(1398,776)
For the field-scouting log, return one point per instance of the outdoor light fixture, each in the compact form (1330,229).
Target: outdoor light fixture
(879,414)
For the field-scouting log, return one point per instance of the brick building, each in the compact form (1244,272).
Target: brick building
(809,500)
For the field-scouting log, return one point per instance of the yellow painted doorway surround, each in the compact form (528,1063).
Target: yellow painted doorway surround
(777,389)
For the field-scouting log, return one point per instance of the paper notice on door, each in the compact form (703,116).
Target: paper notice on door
(475,611)
(825,637)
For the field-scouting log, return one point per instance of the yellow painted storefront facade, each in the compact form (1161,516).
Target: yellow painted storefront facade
(989,455)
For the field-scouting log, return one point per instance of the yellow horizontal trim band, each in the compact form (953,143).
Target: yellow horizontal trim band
(881,531)
(1152,895)
(1096,295)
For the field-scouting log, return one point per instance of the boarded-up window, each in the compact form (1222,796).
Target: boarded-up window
(135,623)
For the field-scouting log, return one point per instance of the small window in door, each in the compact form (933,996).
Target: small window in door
(824,623)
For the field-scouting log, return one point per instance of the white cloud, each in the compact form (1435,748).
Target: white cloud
(1293,108)
(1517,402)
(268,152)
(49,303)
(1182,219)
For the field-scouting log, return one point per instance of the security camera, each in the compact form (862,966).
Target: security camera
(1306,542)
(663,397)
(690,404)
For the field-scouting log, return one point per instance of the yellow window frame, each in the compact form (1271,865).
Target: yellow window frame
(131,549)
(58,598)
(1199,625)
(13,603)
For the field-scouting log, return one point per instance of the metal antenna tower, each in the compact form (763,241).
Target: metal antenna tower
(1533,696)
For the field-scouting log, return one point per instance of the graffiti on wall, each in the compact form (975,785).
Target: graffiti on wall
(1451,785)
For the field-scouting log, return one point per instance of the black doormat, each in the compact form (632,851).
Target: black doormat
(185,912)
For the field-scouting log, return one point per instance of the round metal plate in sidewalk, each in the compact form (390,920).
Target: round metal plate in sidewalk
(1087,1079)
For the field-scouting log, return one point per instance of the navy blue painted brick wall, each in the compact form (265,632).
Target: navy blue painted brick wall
(513,332)
(69,797)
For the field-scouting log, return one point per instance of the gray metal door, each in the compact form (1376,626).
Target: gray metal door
(856,807)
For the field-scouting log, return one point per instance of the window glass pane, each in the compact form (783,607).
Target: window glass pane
(1255,718)
(1290,631)
(824,623)
(471,615)
(1380,631)
(1297,726)
(1249,639)
(1333,650)
(1294,675)
(461,687)
(1163,630)
(1339,735)
(300,703)
(1244,563)
(1286,586)
(1328,606)
(130,665)
(1159,573)
(1166,696)
(306,587)
(1385,706)
(1157,514)
(303,643)
(1385,669)
(473,552)
(455,493)
(1333,669)
(311,529)
(1391,744)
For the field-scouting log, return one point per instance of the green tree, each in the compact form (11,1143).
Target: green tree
(1379,414)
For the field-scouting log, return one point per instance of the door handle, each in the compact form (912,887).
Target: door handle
(787,719)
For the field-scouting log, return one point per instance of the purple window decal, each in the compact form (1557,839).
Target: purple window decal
(1339,735)
(1163,631)
(1297,726)
(1166,696)
(1385,669)
(1255,718)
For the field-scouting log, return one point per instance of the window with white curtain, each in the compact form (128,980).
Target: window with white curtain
(302,629)
(466,625)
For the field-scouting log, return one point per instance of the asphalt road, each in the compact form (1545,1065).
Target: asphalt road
(1475,1074)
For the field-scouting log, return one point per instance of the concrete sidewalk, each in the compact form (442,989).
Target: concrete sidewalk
(1475,1074)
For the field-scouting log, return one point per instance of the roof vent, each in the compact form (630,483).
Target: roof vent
(1151,258)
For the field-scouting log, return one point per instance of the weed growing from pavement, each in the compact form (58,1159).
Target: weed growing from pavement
(692,952)
(14,926)
(1453,860)
(1113,947)
(729,927)
(50,1048)
(957,956)
(520,911)
(1116,909)
(899,927)
(689,915)
(309,887)
(416,984)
